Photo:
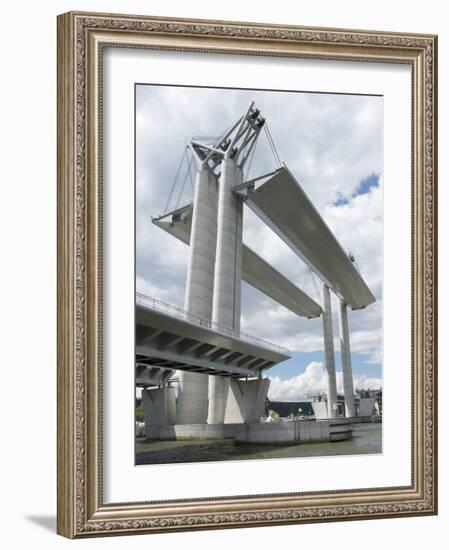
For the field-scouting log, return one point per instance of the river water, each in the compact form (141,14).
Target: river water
(366,439)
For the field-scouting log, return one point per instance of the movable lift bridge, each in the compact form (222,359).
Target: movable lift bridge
(205,337)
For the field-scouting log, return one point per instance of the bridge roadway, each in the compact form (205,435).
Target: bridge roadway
(255,270)
(170,338)
(278,199)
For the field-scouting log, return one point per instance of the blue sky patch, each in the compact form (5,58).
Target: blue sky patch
(366,185)
(341,201)
(299,361)
(363,188)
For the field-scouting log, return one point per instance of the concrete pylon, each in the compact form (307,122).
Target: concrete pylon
(228,274)
(246,401)
(192,403)
(158,407)
(348,384)
(329,352)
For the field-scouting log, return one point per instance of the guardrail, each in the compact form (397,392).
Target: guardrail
(174,311)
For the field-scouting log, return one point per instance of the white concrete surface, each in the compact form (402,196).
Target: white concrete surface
(192,431)
(274,432)
(345,349)
(192,404)
(329,352)
(246,400)
(159,407)
(320,409)
(228,274)
(286,432)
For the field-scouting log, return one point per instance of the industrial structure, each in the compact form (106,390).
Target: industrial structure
(219,369)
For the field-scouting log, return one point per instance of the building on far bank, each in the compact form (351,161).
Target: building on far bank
(285,409)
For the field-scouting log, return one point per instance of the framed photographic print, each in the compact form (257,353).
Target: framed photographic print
(246,274)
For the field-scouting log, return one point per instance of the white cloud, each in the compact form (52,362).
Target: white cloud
(313,381)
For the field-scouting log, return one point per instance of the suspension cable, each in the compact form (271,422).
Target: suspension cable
(251,157)
(191,178)
(269,141)
(272,145)
(315,284)
(181,191)
(306,279)
(175,180)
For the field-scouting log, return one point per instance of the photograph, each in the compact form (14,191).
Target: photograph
(258,274)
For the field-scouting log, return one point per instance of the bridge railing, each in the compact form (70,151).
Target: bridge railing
(174,311)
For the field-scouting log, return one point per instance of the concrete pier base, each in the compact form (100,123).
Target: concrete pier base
(246,401)
(296,432)
(159,407)
(276,432)
(218,397)
(192,403)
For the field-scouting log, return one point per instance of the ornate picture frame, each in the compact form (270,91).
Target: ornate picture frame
(82,38)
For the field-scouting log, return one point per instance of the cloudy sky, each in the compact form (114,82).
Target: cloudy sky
(333,146)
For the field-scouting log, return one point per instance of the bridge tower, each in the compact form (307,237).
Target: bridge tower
(228,260)
(213,288)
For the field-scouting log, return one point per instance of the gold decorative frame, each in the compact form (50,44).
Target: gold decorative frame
(81,37)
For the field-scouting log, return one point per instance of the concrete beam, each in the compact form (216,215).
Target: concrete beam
(188,346)
(145,334)
(168,357)
(232,358)
(219,354)
(167,340)
(246,359)
(202,350)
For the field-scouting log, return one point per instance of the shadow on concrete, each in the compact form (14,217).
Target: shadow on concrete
(46,522)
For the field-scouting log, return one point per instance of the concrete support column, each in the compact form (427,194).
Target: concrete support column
(192,403)
(158,408)
(228,275)
(348,384)
(329,352)
(246,401)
